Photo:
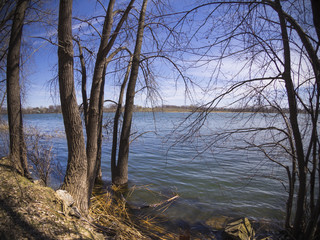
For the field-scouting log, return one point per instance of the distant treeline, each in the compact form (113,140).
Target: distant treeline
(163,108)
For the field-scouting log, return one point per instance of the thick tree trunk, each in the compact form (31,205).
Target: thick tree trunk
(18,152)
(75,181)
(93,113)
(316,16)
(313,224)
(122,168)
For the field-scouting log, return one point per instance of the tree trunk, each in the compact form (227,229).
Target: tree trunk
(122,169)
(83,84)
(93,113)
(101,102)
(116,124)
(99,140)
(316,17)
(299,229)
(75,181)
(97,90)
(313,224)
(18,152)
(299,220)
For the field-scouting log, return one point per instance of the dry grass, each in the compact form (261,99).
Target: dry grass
(112,217)
(111,211)
(31,211)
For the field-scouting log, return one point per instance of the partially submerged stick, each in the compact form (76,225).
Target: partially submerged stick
(158,204)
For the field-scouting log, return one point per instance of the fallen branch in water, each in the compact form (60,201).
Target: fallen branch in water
(158,204)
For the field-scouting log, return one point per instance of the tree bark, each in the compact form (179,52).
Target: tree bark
(18,152)
(99,139)
(93,113)
(83,84)
(316,17)
(122,169)
(97,90)
(75,181)
(299,219)
(114,169)
(313,224)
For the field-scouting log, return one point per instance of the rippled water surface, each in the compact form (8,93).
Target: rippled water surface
(219,181)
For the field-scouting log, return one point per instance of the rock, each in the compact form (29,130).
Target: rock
(218,222)
(65,197)
(74,212)
(240,229)
(67,204)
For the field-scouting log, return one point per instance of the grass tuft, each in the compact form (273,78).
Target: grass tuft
(111,211)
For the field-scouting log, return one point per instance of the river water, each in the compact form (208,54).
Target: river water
(226,179)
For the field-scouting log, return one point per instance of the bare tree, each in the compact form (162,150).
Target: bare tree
(120,176)
(17,141)
(97,90)
(93,105)
(277,68)
(292,101)
(75,181)
(116,119)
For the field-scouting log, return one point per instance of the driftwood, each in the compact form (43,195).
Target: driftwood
(155,204)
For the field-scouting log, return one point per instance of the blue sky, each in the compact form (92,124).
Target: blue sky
(42,67)
(43,64)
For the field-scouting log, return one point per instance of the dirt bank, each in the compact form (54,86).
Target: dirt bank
(31,211)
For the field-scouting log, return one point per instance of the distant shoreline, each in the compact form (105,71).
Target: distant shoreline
(166,109)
